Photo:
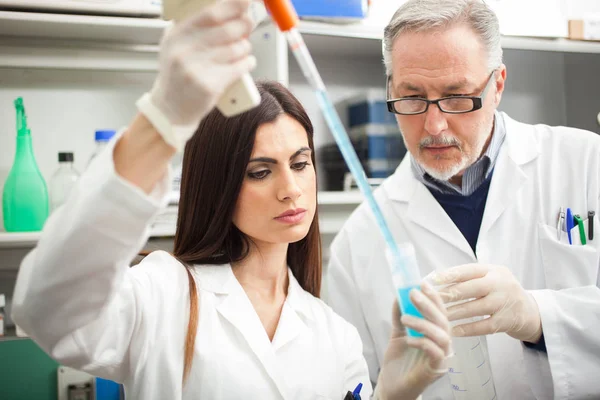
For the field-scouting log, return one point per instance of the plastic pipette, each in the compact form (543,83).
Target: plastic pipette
(286,18)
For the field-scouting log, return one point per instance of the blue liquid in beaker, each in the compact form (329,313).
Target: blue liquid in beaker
(408,308)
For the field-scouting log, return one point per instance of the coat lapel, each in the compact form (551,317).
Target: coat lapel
(520,147)
(423,212)
(235,306)
(295,311)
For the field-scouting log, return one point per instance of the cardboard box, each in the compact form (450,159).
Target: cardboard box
(584,29)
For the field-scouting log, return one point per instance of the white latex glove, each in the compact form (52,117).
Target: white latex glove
(495,292)
(411,364)
(199,58)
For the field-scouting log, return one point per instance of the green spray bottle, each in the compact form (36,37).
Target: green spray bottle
(25,195)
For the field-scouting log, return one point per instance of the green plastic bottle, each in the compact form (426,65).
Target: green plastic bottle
(25,195)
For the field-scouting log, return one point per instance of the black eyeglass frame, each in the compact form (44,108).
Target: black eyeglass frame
(477,100)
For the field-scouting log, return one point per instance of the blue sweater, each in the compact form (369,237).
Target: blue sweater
(466,211)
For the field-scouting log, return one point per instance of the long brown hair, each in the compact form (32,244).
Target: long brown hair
(214,167)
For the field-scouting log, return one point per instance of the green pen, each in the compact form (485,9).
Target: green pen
(579,223)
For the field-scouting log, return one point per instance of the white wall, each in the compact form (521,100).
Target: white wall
(583,90)
(535,87)
(64,108)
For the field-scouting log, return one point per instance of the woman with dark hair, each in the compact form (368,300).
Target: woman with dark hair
(234,311)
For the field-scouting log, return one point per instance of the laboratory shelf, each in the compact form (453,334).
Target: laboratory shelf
(122,30)
(550,44)
(15,240)
(335,208)
(65,41)
(18,239)
(323,197)
(332,200)
(79,42)
(324,37)
(353,197)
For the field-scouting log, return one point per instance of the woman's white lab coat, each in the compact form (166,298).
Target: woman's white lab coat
(539,169)
(79,300)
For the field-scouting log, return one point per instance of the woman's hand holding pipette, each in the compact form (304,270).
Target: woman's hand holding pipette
(406,371)
(494,291)
(200,57)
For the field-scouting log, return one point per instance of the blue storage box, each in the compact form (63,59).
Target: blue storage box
(382,147)
(332,9)
(379,147)
(368,107)
(380,141)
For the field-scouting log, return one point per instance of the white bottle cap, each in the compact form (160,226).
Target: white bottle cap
(2,300)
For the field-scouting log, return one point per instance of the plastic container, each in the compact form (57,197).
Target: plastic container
(102,137)
(105,389)
(25,195)
(382,147)
(368,107)
(332,10)
(63,180)
(469,369)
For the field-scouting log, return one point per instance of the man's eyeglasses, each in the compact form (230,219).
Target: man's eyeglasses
(450,105)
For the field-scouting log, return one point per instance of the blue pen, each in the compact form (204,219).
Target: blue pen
(356,393)
(570,224)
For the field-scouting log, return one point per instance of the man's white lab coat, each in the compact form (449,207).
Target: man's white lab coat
(539,169)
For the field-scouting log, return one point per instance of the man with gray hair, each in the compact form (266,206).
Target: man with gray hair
(500,214)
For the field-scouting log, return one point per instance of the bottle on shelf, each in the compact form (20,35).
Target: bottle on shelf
(25,195)
(63,180)
(102,137)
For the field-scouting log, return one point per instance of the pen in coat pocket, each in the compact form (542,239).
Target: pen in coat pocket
(569,224)
(581,228)
(355,395)
(591,215)
(560,223)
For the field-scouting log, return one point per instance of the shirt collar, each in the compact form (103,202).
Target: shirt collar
(498,137)
(221,280)
(298,298)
